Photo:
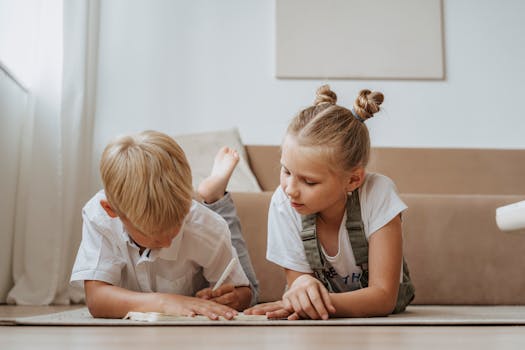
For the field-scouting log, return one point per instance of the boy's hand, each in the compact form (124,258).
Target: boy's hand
(308,298)
(189,306)
(235,297)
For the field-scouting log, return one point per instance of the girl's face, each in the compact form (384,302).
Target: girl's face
(309,182)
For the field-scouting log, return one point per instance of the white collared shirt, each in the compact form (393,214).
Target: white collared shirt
(196,258)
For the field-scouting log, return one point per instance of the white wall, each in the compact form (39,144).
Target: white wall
(188,66)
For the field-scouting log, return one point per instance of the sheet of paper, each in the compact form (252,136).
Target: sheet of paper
(159,317)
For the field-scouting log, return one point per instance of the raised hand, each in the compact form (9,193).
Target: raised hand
(227,294)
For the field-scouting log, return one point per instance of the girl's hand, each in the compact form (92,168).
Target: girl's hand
(235,297)
(173,304)
(262,309)
(272,310)
(308,298)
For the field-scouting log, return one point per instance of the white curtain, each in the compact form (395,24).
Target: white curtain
(56,153)
(13,110)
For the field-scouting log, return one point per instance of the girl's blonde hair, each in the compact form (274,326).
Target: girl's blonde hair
(337,132)
(147,179)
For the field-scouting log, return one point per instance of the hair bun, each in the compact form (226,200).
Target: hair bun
(325,95)
(367,103)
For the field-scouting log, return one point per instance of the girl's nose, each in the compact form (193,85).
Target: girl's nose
(291,189)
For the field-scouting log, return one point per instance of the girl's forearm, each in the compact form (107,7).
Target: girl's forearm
(366,302)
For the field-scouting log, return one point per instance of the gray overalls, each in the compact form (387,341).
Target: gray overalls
(325,273)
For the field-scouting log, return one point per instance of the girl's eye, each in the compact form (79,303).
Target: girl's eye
(310,183)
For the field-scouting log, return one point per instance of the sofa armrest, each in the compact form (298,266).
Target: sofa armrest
(457,255)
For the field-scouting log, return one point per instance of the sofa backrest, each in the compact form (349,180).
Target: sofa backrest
(265,163)
(456,171)
(420,170)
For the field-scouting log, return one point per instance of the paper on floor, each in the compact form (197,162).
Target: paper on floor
(159,317)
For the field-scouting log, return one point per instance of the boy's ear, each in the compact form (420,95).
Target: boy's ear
(105,205)
(356,179)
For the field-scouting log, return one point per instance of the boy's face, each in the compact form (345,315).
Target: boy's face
(160,240)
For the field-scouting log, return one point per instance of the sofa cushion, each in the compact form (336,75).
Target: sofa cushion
(201,149)
(252,209)
(456,253)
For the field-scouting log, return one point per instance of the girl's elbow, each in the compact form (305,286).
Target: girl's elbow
(388,303)
(388,308)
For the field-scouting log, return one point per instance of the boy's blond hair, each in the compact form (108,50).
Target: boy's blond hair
(147,180)
(337,132)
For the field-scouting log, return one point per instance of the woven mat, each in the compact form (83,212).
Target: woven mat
(415,315)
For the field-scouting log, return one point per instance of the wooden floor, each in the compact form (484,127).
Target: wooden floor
(251,337)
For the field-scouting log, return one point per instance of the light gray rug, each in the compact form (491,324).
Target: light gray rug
(415,315)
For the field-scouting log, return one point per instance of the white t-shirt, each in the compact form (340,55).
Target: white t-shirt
(379,202)
(197,256)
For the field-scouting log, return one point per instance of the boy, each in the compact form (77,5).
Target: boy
(147,246)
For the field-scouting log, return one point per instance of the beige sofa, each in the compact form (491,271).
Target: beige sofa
(455,251)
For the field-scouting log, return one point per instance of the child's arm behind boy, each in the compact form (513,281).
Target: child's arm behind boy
(108,301)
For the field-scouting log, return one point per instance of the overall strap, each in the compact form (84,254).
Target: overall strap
(323,271)
(312,249)
(356,232)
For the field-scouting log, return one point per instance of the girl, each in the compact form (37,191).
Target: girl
(335,229)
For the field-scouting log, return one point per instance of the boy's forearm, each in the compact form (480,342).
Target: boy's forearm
(108,301)
(245,297)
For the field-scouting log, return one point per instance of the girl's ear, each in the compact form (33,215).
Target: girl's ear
(105,205)
(356,179)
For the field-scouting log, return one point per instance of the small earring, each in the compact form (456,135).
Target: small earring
(349,193)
